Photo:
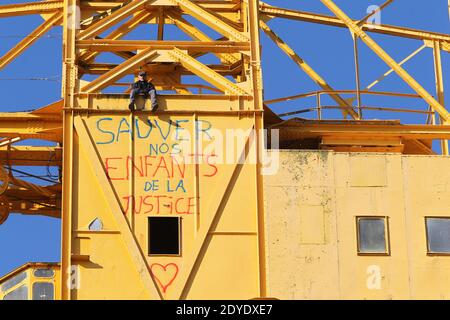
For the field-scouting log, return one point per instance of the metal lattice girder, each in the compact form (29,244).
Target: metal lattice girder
(120,71)
(124,29)
(196,34)
(28,208)
(271,11)
(210,20)
(31,155)
(20,9)
(114,18)
(313,129)
(347,108)
(30,39)
(217,6)
(100,68)
(25,201)
(388,60)
(33,187)
(206,73)
(442,45)
(191,46)
(29,126)
(382,77)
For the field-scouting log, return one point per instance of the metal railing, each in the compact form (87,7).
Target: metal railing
(319,108)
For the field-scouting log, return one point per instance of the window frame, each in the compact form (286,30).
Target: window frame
(387,238)
(21,286)
(43,282)
(43,277)
(179,254)
(8,282)
(433,253)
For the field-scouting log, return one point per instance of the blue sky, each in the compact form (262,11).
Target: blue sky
(327,49)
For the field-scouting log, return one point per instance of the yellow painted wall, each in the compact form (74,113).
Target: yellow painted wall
(311,208)
(219,228)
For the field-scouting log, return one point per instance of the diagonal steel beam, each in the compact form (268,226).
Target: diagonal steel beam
(196,34)
(409,57)
(210,20)
(206,73)
(272,11)
(203,239)
(120,71)
(124,29)
(378,10)
(20,9)
(346,107)
(111,20)
(30,39)
(129,239)
(388,60)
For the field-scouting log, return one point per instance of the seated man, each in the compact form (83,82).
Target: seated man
(144,87)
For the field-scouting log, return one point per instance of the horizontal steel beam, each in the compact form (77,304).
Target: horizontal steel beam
(191,46)
(100,68)
(336,22)
(217,6)
(31,156)
(20,9)
(30,126)
(298,130)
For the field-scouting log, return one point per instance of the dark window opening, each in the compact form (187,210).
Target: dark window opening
(164,235)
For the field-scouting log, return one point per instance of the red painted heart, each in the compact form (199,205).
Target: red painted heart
(168,277)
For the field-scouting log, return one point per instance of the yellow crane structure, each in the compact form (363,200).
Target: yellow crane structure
(175,204)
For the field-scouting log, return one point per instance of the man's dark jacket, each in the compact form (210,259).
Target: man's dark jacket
(143,86)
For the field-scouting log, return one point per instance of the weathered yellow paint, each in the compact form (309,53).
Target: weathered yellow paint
(406,189)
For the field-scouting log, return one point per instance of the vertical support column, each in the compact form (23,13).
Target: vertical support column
(70,25)
(358,82)
(439,87)
(257,90)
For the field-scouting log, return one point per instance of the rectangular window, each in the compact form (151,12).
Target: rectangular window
(43,291)
(372,235)
(438,235)
(44,273)
(164,235)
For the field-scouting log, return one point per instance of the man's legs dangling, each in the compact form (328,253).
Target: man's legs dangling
(133,94)
(152,94)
